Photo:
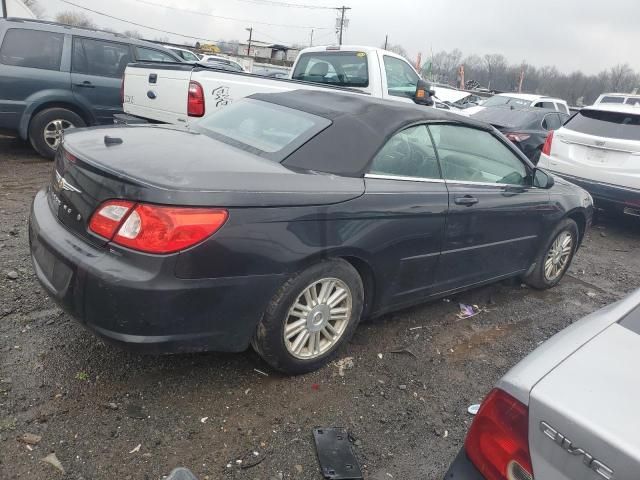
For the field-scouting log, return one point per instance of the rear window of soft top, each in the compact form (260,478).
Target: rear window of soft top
(618,125)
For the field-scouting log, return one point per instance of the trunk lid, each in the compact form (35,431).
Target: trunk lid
(589,406)
(170,166)
(602,146)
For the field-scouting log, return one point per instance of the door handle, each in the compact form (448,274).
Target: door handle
(85,84)
(467,200)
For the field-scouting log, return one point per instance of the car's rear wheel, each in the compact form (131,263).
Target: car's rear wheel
(46,127)
(310,317)
(554,259)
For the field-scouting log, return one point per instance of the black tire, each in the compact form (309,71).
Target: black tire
(537,278)
(268,340)
(44,118)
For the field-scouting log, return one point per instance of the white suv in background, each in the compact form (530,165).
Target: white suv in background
(521,100)
(599,150)
(618,98)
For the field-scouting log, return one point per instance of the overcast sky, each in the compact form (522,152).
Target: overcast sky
(570,34)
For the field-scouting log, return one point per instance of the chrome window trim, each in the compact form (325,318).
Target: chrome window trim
(485,184)
(597,147)
(403,179)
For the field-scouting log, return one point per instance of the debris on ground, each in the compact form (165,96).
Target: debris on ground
(468,311)
(30,439)
(51,459)
(415,328)
(204,419)
(404,351)
(343,364)
(380,356)
(12,275)
(335,454)
(473,409)
(110,405)
(591,294)
(249,460)
(402,387)
(261,372)
(136,449)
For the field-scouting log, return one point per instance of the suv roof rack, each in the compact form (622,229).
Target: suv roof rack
(62,25)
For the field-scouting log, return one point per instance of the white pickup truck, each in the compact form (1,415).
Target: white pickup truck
(182,93)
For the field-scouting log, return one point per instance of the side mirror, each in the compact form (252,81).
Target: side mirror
(423,94)
(542,179)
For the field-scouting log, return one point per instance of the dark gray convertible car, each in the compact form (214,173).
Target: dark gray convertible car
(284,219)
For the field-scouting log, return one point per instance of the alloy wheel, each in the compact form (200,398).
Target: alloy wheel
(53,132)
(558,256)
(318,318)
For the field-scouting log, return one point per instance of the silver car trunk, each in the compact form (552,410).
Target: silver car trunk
(583,415)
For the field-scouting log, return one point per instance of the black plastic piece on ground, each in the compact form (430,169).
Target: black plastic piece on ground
(336,457)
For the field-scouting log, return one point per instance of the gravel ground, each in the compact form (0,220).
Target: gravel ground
(109,414)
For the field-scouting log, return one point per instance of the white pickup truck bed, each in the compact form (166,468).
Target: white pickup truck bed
(159,91)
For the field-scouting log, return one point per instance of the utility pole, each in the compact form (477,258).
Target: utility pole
(311,40)
(250,30)
(343,10)
(386,41)
(4,9)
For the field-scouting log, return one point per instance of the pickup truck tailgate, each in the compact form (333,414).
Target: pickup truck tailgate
(157,92)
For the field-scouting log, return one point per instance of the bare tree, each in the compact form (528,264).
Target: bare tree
(77,19)
(622,78)
(398,49)
(496,64)
(132,34)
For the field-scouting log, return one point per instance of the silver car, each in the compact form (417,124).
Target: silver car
(568,411)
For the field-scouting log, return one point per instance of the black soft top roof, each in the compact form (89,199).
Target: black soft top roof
(361,125)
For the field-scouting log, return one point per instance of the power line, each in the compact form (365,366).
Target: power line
(222,17)
(274,3)
(136,24)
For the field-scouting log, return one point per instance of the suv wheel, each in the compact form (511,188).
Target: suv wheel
(45,129)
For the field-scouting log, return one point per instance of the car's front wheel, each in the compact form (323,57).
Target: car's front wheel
(310,317)
(554,259)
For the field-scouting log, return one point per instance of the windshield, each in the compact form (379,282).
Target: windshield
(345,69)
(188,56)
(506,100)
(623,126)
(262,128)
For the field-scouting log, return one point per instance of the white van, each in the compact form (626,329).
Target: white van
(599,149)
(618,98)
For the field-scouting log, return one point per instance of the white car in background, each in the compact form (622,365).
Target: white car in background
(599,150)
(521,100)
(224,62)
(183,53)
(618,98)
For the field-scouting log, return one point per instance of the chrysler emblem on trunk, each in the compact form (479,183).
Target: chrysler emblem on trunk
(62,184)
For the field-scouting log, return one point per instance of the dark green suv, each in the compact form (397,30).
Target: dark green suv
(54,77)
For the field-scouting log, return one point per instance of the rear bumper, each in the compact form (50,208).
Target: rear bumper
(463,469)
(141,304)
(606,194)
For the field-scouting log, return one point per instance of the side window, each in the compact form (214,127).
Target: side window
(562,108)
(547,105)
(470,155)
(409,153)
(551,122)
(151,55)
(32,48)
(99,57)
(401,78)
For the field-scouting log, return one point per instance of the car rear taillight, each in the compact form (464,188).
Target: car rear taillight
(517,137)
(155,228)
(546,148)
(122,90)
(195,101)
(106,219)
(497,442)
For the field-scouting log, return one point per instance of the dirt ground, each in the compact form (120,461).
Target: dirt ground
(109,414)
